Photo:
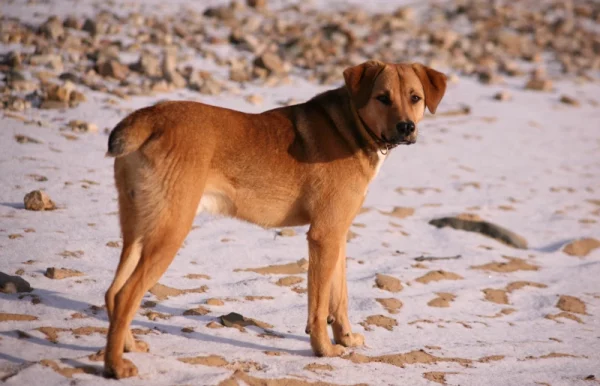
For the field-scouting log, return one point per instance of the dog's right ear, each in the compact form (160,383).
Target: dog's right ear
(359,81)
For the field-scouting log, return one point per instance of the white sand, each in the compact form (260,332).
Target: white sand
(523,149)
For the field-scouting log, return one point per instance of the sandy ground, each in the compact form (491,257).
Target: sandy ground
(490,314)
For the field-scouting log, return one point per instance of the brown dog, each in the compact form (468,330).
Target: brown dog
(305,164)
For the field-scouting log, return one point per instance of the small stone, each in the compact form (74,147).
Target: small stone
(569,101)
(215,302)
(52,61)
(289,281)
(270,62)
(61,273)
(169,69)
(240,74)
(160,86)
(539,85)
(257,4)
(14,59)
(53,28)
(503,96)
(76,98)
(113,68)
(148,64)
(38,200)
(153,315)
(20,138)
(15,103)
(13,284)
(286,232)
(72,22)
(90,26)
(214,325)
(223,13)
(198,311)
(60,93)
(444,39)
(149,304)
(489,77)
(82,126)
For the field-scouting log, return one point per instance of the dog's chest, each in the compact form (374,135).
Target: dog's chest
(215,202)
(380,158)
(378,164)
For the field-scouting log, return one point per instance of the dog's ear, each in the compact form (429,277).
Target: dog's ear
(434,85)
(359,81)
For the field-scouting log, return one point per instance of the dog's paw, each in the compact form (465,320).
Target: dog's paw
(329,350)
(333,350)
(351,340)
(120,369)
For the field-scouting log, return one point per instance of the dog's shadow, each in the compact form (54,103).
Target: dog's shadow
(57,300)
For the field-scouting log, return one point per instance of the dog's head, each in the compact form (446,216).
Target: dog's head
(390,99)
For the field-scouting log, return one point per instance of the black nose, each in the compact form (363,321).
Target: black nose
(405,127)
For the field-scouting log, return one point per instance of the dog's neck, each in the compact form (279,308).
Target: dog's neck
(338,104)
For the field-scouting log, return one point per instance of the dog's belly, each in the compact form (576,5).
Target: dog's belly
(264,210)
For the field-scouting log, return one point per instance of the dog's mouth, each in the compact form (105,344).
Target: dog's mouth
(394,142)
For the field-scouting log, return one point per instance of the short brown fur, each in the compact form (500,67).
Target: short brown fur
(309,163)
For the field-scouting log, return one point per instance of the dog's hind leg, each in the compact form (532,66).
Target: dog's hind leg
(130,256)
(158,208)
(158,250)
(131,252)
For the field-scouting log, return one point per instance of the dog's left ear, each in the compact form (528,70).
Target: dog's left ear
(434,85)
(359,81)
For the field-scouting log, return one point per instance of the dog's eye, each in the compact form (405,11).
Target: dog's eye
(384,99)
(415,99)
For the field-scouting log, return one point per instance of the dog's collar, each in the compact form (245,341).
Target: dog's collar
(382,145)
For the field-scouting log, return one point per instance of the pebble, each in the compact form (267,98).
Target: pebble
(38,200)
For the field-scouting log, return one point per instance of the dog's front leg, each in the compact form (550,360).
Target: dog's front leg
(324,246)
(338,306)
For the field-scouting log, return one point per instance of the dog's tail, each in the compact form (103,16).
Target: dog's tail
(129,134)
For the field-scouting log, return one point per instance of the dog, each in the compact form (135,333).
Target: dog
(309,163)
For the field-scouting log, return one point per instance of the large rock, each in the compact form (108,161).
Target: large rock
(13,284)
(485,228)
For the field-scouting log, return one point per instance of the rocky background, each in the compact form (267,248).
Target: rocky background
(475,259)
